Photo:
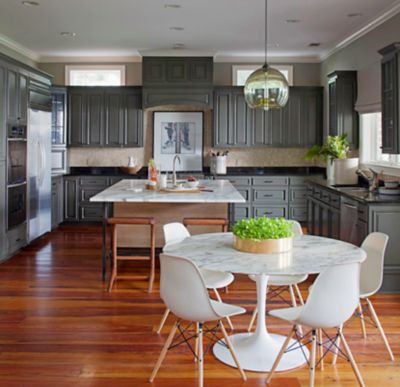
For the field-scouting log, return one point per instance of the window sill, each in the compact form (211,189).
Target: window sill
(385,168)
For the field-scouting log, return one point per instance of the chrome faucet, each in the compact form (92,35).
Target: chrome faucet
(176,157)
(370,176)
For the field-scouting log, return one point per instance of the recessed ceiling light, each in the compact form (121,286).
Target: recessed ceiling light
(175,6)
(67,34)
(178,45)
(314,44)
(176,28)
(292,21)
(354,14)
(30,3)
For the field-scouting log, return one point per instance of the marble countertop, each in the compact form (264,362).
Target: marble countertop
(310,254)
(218,191)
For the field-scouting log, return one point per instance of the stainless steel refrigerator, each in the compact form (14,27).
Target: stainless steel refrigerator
(39,172)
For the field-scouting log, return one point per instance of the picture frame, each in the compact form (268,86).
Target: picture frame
(178,133)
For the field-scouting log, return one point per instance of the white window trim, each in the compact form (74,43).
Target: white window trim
(68,68)
(236,68)
(383,167)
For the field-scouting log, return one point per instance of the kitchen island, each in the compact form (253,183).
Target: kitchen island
(130,198)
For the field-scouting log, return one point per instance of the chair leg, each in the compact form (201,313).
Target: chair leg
(362,322)
(336,349)
(352,361)
(152,257)
(114,258)
(253,318)
(312,357)
(379,326)
(200,355)
(163,319)
(164,351)
(196,343)
(320,349)
(280,354)
(231,350)
(220,300)
(299,296)
(294,304)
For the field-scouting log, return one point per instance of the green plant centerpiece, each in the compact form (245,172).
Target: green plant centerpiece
(263,235)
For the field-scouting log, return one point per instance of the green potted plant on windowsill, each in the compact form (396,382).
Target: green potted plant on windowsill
(263,235)
(339,168)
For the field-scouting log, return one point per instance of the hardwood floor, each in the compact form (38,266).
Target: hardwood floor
(60,327)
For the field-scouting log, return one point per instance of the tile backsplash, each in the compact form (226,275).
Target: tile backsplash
(244,157)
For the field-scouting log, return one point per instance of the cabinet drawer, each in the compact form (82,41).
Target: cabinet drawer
(334,200)
(325,196)
(94,181)
(245,192)
(241,212)
(271,211)
(298,213)
(362,212)
(298,194)
(239,180)
(273,180)
(86,193)
(317,193)
(91,212)
(270,195)
(16,238)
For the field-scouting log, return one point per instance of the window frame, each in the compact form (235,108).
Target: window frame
(121,68)
(236,68)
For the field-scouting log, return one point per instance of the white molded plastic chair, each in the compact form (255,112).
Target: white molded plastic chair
(332,300)
(289,281)
(177,232)
(371,278)
(184,292)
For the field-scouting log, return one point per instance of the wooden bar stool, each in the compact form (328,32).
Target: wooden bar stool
(114,222)
(224,223)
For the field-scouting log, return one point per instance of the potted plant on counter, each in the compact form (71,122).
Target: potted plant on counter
(263,235)
(339,168)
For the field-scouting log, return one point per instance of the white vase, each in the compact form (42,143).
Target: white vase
(330,175)
(345,171)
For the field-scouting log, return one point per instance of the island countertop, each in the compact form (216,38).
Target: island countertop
(217,191)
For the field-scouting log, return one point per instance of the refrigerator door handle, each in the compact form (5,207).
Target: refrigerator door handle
(42,164)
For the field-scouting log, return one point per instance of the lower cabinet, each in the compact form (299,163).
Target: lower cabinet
(57,201)
(3,239)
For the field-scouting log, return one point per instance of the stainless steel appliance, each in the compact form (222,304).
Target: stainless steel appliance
(16,175)
(39,163)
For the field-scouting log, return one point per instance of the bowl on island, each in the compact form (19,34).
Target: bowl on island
(192,184)
(131,170)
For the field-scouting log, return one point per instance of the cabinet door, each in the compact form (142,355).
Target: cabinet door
(333,128)
(3,239)
(347,117)
(311,118)
(222,118)
(114,118)
(71,199)
(58,116)
(3,126)
(23,98)
(259,128)
(95,117)
(77,122)
(12,95)
(390,135)
(177,71)
(293,136)
(133,126)
(334,224)
(241,122)
(310,216)
(201,70)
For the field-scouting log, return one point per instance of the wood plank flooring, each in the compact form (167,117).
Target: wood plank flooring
(59,327)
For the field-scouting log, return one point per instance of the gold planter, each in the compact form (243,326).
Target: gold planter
(266,246)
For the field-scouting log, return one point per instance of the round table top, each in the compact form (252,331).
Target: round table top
(310,254)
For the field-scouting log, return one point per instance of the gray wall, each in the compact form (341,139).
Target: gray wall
(304,74)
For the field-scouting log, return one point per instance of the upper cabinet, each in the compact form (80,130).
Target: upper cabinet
(298,124)
(390,98)
(17,95)
(343,118)
(3,126)
(177,81)
(105,116)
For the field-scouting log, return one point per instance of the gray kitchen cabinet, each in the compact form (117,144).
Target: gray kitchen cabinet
(59,130)
(390,98)
(57,201)
(105,116)
(71,205)
(343,118)
(17,95)
(16,238)
(3,239)
(3,126)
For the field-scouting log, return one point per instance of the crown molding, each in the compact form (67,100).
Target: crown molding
(90,59)
(19,48)
(271,59)
(387,14)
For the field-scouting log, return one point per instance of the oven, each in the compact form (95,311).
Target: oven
(16,205)
(16,154)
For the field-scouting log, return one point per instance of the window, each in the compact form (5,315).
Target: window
(240,73)
(371,143)
(95,75)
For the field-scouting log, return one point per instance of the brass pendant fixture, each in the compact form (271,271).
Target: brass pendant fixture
(266,88)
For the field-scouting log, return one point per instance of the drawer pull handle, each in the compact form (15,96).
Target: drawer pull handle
(18,240)
(268,195)
(268,181)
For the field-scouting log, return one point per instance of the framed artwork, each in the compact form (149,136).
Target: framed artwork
(178,133)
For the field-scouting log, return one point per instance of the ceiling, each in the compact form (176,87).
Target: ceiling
(224,28)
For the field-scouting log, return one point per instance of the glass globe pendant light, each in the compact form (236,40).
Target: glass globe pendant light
(266,88)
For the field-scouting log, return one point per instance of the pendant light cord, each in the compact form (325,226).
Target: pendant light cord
(266,32)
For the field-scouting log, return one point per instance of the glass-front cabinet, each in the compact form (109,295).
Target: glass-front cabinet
(58,130)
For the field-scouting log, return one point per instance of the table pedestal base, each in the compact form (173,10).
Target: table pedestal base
(258,352)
